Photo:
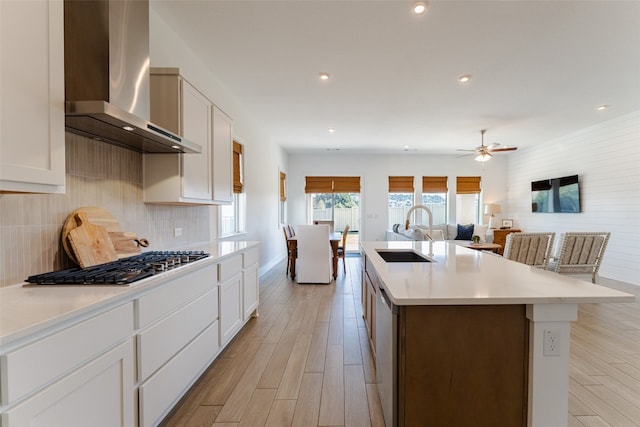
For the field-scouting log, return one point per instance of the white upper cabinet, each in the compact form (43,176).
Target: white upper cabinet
(179,107)
(32,146)
(222,157)
(204,178)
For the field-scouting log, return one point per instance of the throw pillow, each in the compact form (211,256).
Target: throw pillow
(481,230)
(465,232)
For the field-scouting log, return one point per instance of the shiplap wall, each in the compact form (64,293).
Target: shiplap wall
(607,159)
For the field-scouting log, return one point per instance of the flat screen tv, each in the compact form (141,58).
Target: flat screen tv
(556,195)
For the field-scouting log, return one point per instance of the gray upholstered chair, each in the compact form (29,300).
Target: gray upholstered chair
(581,253)
(533,249)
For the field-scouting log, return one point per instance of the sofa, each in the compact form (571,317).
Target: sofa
(457,233)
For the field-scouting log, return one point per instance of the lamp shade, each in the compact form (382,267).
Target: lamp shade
(491,209)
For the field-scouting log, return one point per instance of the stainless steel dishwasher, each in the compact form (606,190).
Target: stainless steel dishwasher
(387,356)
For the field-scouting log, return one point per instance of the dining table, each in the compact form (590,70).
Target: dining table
(292,242)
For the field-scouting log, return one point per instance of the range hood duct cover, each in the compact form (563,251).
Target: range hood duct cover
(106,53)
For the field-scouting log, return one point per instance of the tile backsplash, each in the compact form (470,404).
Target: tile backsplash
(97,174)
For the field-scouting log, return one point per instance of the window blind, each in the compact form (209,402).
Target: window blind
(434,184)
(401,184)
(283,188)
(332,184)
(468,185)
(237,167)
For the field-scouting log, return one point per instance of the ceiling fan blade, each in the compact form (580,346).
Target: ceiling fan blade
(460,149)
(465,155)
(492,146)
(497,150)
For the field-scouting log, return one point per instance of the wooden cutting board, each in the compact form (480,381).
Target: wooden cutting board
(91,243)
(125,243)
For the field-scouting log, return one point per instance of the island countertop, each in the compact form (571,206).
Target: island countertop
(463,276)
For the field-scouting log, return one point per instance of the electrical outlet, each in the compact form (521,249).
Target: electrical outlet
(177,232)
(551,346)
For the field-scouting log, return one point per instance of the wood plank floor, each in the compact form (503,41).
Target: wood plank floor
(305,361)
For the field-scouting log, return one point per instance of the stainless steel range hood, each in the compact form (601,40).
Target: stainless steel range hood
(106,53)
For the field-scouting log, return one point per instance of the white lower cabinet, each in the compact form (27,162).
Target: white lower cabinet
(130,364)
(250,283)
(230,299)
(158,395)
(98,394)
(82,375)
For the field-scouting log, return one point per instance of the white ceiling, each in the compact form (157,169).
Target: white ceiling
(539,68)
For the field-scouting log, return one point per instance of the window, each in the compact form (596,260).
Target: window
(400,199)
(232,218)
(468,200)
(335,199)
(434,196)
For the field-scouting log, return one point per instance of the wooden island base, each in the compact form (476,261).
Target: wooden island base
(463,365)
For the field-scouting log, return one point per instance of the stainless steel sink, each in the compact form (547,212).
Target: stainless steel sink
(402,256)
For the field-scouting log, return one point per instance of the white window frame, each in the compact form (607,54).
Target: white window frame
(239,215)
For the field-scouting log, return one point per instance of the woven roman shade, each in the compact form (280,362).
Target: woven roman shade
(401,184)
(283,188)
(468,185)
(346,184)
(434,184)
(237,167)
(332,184)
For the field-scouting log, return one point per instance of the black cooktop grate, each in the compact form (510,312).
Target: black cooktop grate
(121,272)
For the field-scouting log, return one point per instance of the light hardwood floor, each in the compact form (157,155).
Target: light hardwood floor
(305,361)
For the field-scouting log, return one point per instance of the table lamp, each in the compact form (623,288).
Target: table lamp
(491,209)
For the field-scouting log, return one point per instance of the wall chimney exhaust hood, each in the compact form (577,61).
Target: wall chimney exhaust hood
(106,58)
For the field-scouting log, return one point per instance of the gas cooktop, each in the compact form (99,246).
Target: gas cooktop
(121,272)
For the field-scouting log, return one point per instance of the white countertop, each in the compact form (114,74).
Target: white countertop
(462,276)
(25,310)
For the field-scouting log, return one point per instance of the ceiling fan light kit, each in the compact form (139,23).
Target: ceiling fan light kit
(483,152)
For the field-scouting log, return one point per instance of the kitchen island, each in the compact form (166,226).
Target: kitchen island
(470,338)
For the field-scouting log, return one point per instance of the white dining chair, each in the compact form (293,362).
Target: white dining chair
(313,264)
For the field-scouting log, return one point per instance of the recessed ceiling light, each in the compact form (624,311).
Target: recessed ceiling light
(332,130)
(465,78)
(602,107)
(129,128)
(419,8)
(324,76)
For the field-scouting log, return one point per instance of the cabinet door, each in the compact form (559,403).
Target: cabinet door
(230,310)
(222,157)
(196,125)
(98,394)
(32,151)
(250,291)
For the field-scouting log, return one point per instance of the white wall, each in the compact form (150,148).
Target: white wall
(607,159)
(374,171)
(263,158)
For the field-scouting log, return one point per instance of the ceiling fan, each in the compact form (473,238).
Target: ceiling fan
(484,152)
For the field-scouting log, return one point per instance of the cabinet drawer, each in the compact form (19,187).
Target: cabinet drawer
(162,390)
(33,366)
(250,257)
(99,394)
(230,268)
(174,294)
(161,341)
